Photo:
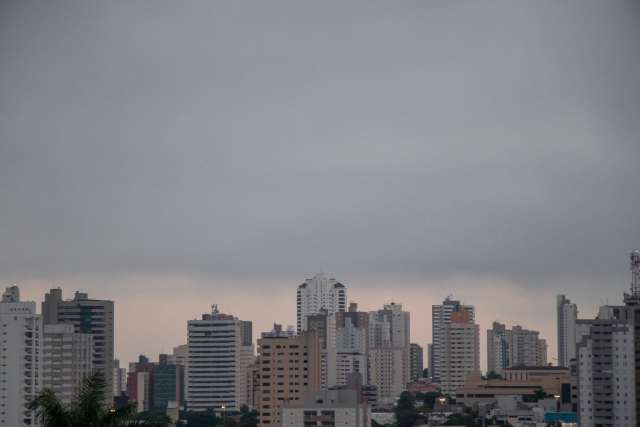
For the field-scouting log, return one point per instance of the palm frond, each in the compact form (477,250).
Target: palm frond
(50,411)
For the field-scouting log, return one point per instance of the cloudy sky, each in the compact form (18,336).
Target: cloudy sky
(174,155)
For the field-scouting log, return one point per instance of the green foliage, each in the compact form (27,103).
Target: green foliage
(199,419)
(493,376)
(86,410)
(428,399)
(405,411)
(540,394)
(468,418)
(248,418)
(155,417)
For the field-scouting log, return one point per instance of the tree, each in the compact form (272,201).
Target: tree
(492,375)
(156,417)
(199,419)
(248,418)
(540,394)
(86,410)
(405,410)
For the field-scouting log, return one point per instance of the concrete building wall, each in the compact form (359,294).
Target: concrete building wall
(217,362)
(317,294)
(288,366)
(567,314)
(21,356)
(88,316)
(67,360)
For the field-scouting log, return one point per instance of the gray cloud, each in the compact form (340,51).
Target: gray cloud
(409,140)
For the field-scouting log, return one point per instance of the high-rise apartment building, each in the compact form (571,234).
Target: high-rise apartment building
(324,323)
(430,357)
(567,315)
(88,316)
(167,388)
(458,351)
(514,347)
(352,345)
(220,348)
(416,361)
(287,367)
(140,382)
(389,339)
(608,362)
(67,360)
(119,378)
(440,317)
(317,294)
(20,358)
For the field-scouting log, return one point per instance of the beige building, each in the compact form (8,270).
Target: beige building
(521,381)
(517,346)
(460,355)
(288,366)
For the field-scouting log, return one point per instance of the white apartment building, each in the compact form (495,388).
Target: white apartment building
(606,375)
(607,361)
(440,315)
(21,358)
(67,359)
(389,370)
(567,315)
(459,351)
(317,294)
(220,349)
(351,343)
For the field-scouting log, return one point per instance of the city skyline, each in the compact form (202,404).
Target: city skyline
(526,310)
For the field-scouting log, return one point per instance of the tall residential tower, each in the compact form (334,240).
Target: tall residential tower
(21,358)
(317,294)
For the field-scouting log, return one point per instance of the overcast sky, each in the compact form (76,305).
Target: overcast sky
(186,152)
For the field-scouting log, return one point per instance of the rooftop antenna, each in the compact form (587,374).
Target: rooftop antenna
(634,259)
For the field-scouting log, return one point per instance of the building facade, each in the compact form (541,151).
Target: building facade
(327,408)
(88,316)
(352,345)
(287,367)
(459,351)
(21,356)
(416,361)
(219,352)
(514,347)
(567,313)
(608,361)
(440,318)
(119,378)
(167,388)
(317,294)
(389,339)
(67,360)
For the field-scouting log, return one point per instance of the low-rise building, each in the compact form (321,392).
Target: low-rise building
(344,407)
(521,381)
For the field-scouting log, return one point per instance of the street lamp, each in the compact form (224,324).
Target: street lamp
(442,401)
(224,414)
(557,397)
